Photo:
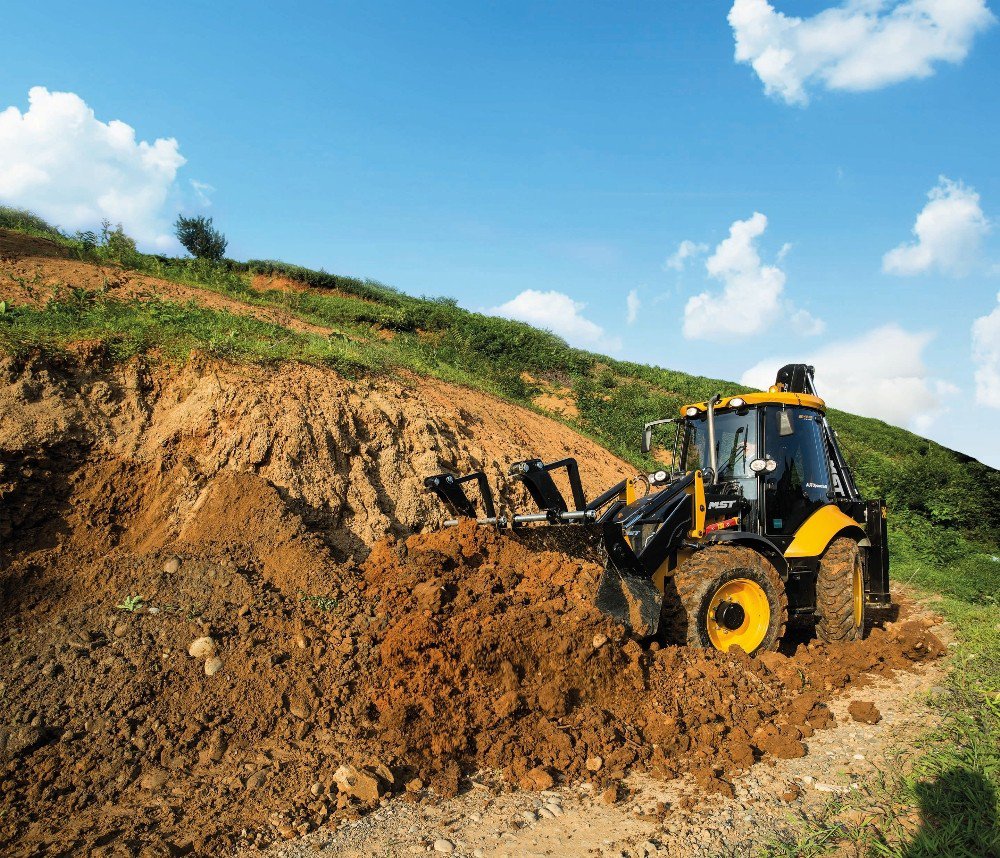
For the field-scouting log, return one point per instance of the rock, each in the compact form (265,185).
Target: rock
(599,641)
(201,647)
(445,846)
(213,666)
(538,778)
(612,795)
(554,809)
(545,813)
(594,764)
(154,779)
(359,784)
(529,817)
(381,770)
(256,780)
(864,712)
(316,789)
(792,792)
(822,787)
(415,785)
(172,566)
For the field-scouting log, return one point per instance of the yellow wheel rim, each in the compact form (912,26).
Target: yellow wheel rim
(742,601)
(859,596)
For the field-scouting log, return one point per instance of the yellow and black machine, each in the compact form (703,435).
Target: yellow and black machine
(758,522)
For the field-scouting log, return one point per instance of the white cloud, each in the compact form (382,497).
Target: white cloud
(949,232)
(751,298)
(203,192)
(63,163)
(632,304)
(806,324)
(557,312)
(879,374)
(986,356)
(685,250)
(858,45)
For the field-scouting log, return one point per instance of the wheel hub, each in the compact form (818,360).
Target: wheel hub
(730,615)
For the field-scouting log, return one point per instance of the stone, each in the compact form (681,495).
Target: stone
(213,666)
(554,809)
(612,795)
(359,784)
(172,566)
(414,785)
(538,778)
(201,647)
(545,813)
(445,846)
(316,789)
(599,641)
(792,792)
(594,764)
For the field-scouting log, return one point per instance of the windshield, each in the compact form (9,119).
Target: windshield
(735,444)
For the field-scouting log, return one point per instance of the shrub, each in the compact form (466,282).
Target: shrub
(118,247)
(200,238)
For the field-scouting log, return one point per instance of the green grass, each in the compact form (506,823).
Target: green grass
(129,328)
(24,221)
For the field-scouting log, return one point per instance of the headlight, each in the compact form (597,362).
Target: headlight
(691,411)
(737,402)
(661,476)
(771,465)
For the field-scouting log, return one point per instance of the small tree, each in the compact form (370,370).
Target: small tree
(200,238)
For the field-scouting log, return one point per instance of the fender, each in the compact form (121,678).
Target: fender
(758,543)
(820,529)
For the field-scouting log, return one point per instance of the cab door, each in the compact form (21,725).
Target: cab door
(798,481)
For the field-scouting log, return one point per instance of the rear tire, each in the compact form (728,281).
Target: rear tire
(723,575)
(840,592)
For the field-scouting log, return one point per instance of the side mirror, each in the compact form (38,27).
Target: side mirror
(647,439)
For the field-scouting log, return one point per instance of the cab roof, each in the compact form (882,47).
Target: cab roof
(771,397)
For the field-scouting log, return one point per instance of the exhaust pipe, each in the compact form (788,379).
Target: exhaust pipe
(713,458)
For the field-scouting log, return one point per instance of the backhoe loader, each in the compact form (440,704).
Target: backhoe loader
(757,524)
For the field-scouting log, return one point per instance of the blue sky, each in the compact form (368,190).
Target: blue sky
(500,153)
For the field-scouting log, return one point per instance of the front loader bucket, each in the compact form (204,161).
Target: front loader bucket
(633,601)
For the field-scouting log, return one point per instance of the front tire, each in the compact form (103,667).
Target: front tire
(731,596)
(840,592)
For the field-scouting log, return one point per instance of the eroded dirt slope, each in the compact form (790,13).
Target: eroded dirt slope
(140,455)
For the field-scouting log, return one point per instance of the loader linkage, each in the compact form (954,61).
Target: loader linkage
(537,479)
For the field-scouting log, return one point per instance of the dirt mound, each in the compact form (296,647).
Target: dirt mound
(441,655)
(125,455)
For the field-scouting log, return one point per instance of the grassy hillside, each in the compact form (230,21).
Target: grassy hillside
(944,506)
